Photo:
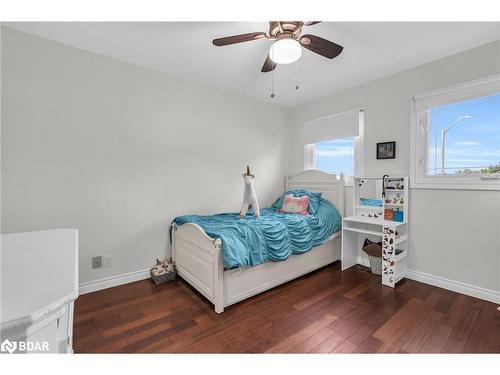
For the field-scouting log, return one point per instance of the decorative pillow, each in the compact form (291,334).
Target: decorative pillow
(295,205)
(313,200)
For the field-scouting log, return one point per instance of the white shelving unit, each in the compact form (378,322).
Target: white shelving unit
(396,199)
(378,223)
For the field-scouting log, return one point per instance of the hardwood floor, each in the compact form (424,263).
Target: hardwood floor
(328,311)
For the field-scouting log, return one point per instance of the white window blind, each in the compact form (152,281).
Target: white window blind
(468,90)
(341,125)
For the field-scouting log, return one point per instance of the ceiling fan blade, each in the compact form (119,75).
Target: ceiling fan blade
(310,23)
(238,39)
(269,65)
(321,46)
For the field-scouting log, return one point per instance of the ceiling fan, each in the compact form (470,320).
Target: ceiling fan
(288,43)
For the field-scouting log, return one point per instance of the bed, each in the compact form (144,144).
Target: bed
(199,257)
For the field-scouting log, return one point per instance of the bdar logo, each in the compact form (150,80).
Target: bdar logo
(8,346)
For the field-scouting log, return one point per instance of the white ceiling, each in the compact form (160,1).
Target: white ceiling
(184,49)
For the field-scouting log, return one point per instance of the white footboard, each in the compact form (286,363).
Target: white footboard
(198,260)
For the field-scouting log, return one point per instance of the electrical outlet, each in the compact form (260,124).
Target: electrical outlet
(97,262)
(106,260)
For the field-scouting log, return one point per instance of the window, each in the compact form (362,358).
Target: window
(456,137)
(336,156)
(464,137)
(333,143)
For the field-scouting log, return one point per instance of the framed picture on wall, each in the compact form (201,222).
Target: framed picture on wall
(386,150)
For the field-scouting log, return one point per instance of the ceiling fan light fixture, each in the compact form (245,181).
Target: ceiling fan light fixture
(285,51)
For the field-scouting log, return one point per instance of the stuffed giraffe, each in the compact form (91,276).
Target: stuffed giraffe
(249,196)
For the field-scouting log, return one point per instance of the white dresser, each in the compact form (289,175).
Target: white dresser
(39,283)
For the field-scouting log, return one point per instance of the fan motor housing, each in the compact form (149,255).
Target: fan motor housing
(285,29)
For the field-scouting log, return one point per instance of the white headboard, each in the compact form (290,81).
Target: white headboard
(329,185)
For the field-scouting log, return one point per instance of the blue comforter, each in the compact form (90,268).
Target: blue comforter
(274,236)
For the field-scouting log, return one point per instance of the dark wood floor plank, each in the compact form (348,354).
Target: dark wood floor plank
(493,345)
(412,324)
(390,330)
(436,340)
(480,334)
(354,292)
(312,341)
(460,335)
(370,345)
(344,347)
(317,297)
(418,337)
(303,334)
(322,312)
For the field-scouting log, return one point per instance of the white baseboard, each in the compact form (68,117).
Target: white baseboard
(455,286)
(441,282)
(108,282)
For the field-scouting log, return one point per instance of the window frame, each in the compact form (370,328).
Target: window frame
(419,137)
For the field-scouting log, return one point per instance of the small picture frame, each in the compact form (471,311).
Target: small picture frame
(386,150)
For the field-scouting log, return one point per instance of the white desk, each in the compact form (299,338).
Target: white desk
(393,266)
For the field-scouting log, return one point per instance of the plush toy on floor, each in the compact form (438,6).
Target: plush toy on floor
(162,267)
(249,196)
(159,268)
(163,271)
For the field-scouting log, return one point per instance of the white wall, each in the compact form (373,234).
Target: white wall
(454,234)
(117,151)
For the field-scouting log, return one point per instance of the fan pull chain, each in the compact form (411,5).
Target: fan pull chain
(272,84)
(297,75)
